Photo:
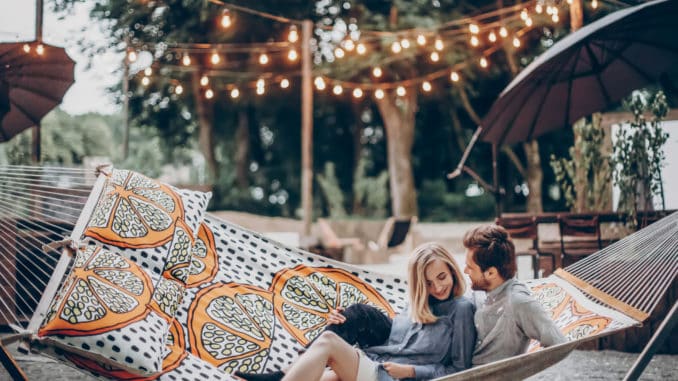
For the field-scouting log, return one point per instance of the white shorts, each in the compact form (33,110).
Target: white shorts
(367,369)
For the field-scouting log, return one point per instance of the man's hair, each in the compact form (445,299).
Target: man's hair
(490,246)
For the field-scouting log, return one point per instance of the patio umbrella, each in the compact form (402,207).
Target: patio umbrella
(33,79)
(585,72)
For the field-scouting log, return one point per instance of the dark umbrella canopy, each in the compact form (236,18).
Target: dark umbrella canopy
(33,81)
(586,72)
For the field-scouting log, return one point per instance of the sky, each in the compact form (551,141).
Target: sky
(87,94)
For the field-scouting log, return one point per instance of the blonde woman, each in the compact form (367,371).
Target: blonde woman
(433,337)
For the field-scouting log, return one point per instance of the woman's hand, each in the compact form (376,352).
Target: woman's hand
(397,371)
(336,317)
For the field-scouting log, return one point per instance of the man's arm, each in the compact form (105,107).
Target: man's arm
(536,323)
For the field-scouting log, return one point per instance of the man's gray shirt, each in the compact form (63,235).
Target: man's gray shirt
(506,322)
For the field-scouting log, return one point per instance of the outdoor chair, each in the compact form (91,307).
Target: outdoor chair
(579,237)
(332,246)
(394,236)
(525,228)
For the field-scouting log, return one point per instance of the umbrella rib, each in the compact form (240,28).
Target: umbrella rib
(569,90)
(28,115)
(597,67)
(617,54)
(515,115)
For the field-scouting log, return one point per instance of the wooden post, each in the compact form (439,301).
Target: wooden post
(35,153)
(495,180)
(306,128)
(11,365)
(125,102)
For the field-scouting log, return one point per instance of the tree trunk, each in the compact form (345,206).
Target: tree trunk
(398,116)
(357,131)
(579,181)
(205,115)
(535,177)
(242,150)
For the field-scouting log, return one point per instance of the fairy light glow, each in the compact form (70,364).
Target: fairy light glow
(473,28)
(492,37)
(379,94)
(27,48)
(421,40)
(40,49)
(349,45)
(483,62)
(263,59)
(516,42)
(148,71)
(132,56)
(145,81)
(426,86)
(204,81)
(226,21)
(377,72)
(215,59)
(405,43)
(339,53)
(293,36)
(319,83)
(357,93)
(178,90)
(400,91)
(292,55)
(285,83)
(361,49)
(435,57)
(337,89)
(438,44)
(503,32)
(186,60)
(474,41)
(454,76)
(209,94)
(235,93)
(395,47)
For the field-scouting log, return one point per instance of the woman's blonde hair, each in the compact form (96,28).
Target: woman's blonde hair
(422,256)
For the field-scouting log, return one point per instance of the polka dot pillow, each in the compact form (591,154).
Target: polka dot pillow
(109,309)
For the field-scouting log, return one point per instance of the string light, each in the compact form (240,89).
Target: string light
(209,94)
(438,44)
(454,76)
(178,90)
(145,81)
(261,90)
(516,42)
(361,49)
(357,93)
(40,49)
(339,53)
(473,28)
(538,9)
(292,55)
(549,10)
(319,83)
(215,59)
(523,14)
(503,32)
(426,86)
(337,89)
(186,60)
(435,56)
(594,4)
(235,93)
(27,48)
(474,41)
(483,62)
(226,18)
(204,81)
(148,71)
(377,72)
(379,94)
(405,43)
(263,59)
(349,45)
(569,2)
(131,56)
(492,37)
(421,40)
(395,47)
(293,36)
(401,91)
(261,82)
(555,17)
(285,83)
(528,22)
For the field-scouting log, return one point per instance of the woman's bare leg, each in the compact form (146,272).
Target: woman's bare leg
(329,375)
(329,349)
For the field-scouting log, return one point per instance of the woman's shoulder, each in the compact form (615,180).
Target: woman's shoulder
(464,306)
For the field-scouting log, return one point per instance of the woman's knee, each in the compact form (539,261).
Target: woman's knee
(327,338)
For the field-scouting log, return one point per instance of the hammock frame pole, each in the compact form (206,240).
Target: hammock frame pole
(664,331)
(10,364)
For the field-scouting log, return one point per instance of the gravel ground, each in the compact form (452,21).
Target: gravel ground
(580,365)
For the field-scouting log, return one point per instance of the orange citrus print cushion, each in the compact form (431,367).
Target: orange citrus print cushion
(231,325)
(103,292)
(135,211)
(205,264)
(304,296)
(176,352)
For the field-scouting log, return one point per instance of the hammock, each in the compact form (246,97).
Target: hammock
(239,301)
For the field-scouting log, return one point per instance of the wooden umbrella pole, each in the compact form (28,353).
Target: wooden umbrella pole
(10,364)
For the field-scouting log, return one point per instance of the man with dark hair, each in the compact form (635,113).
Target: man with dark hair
(510,316)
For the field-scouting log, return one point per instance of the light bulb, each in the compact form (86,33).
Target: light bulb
(339,53)
(319,83)
(516,42)
(523,14)
(594,4)
(405,43)
(454,76)
(539,9)
(293,36)
(426,86)
(263,59)
(215,59)
(492,37)
(261,90)
(226,18)
(261,83)
(145,81)
(473,28)
(483,62)
(379,94)
(438,44)
(186,60)
(131,56)
(474,41)
(178,90)
(204,81)
(503,32)
(555,17)
(27,48)
(377,72)
(337,89)
(235,93)
(209,94)
(349,45)
(148,71)
(435,56)
(361,49)
(528,22)
(395,47)
(421,40)
(292,55)
(401,91)
(357,93)
(285,83)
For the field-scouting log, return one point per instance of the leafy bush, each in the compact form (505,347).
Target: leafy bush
(437,204)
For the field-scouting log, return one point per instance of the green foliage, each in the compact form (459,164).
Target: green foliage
(638,153)
(370,192)
(330,189)
(597,171)
(439,205)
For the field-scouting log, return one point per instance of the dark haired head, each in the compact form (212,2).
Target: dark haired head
(491,246)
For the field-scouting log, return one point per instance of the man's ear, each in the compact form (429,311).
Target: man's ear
(491,272)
